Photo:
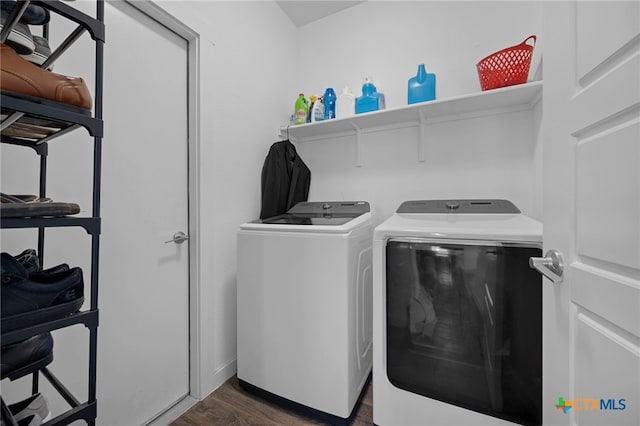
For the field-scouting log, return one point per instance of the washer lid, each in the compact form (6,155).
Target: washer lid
(317,216)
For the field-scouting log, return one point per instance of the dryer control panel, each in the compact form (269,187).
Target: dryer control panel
(477,206)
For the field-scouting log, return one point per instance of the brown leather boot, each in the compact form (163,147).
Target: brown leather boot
(24,78)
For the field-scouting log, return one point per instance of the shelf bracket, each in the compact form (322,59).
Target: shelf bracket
(358,145)
(60,133)
(63,46)
(422,137)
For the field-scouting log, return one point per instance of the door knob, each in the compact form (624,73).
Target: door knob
(551,265)
(178,238)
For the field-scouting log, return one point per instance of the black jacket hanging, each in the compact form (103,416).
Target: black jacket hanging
(285,179)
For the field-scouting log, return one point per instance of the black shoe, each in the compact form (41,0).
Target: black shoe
(29,299)
(20,38)
(31,262)
(33,14)
(39,276)
(27,356)
(41,52)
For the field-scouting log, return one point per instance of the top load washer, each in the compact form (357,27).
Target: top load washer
(457,315)
(305,305)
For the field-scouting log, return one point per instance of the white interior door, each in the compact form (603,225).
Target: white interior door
(144,324)
(591,131)
(143,334)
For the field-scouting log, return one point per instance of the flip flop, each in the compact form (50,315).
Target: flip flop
(22,198)
(14,206)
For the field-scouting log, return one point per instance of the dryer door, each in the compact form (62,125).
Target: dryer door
(464,325)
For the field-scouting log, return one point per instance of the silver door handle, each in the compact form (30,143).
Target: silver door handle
(551,265)
(178,238)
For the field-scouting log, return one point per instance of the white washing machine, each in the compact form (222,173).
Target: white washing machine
(305,306)
(457,315)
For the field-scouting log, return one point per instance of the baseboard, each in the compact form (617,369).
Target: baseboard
(179,408)
(174,412)
(221,375)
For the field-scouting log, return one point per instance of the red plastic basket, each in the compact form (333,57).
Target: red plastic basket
(506,67)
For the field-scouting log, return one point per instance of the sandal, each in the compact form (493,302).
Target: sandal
(14,206)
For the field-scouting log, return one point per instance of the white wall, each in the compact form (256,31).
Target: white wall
(489,157)
(486,157)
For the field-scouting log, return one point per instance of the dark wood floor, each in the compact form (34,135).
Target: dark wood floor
(230,405)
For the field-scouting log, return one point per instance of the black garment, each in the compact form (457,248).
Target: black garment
(285,179)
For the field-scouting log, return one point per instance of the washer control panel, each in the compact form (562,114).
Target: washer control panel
(353,208)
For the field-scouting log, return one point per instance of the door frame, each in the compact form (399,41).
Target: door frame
(156,12)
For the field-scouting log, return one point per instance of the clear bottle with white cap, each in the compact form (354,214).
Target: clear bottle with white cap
(345,103)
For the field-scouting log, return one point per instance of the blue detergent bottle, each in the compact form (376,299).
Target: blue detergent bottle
(329,98)
(422,87)
(371,99)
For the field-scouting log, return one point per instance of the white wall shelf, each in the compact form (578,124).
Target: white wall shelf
(491,102)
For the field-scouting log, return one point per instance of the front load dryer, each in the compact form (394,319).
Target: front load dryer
(457,316)
(305,306)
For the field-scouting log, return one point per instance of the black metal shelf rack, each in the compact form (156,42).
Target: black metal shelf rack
(61,121)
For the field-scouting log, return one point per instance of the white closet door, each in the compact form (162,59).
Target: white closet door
(592,212)
(143,342)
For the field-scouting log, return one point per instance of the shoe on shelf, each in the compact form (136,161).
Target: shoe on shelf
(20,37)
(41,52)
(39,275)
(21,78)
(25,357)
(22,198)
(32,206)
(28,132)
(29,299)
(34,405)
(33,14)
(31,262)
